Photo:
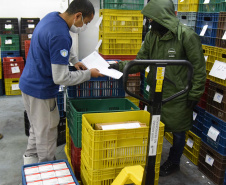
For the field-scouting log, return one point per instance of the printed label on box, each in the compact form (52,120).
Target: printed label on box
(65,179)
(59,166)
(148,88)
(15,69)
(194,115)
(45,167)
(154,132)
(33,177)
(218,97)
(29,36)
(15,87)
(30,170)
(190,142)
(31,25)
(213,133)
(8,26)
(9,41)
(209,160)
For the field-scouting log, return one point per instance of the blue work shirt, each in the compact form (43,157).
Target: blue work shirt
(50,44)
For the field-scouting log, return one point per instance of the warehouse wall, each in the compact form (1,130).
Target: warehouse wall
(87,40)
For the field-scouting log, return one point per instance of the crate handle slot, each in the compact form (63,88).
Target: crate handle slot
(9,38)
(191,137)
(220,91)
(214,122)
(207,18)
(15,81)
(209,152)
(184,17)
(223,55)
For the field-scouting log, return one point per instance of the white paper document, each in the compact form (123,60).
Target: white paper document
(94,60)
(218,70)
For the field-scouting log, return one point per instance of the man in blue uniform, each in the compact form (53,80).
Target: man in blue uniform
(47,67)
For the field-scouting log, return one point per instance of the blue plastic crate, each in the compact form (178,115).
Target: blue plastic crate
(218,147)
(9,54)
(60,103)
(211,120)
(221,139)
(49,162)
(210,19)
(200,113)
(208,40)
(101,87)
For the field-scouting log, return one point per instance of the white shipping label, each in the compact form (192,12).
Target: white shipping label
(8,26)
(218,97)
(15,87)
(206,2)
(15,69)
(206,57)
(224,36)
(31,25)
(29,36)
(203,30)
(9,41)
(218,70)
(154,132)
(148,88)
(99,22)
(147,69)
(213,133)
(194,115)
(209,160)
(190,142)
(11,60)
(123,23)
(146,107)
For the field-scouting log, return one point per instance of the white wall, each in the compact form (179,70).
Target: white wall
(87,40)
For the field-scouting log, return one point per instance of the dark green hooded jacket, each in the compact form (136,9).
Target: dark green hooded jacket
(180,42)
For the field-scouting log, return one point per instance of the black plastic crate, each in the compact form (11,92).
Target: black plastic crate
(61,137)
(9,26)
(28,25)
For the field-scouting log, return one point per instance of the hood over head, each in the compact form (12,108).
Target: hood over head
(163,12)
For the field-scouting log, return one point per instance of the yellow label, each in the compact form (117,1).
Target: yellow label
(158,88)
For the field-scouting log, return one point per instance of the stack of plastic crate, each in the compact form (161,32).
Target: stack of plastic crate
(221,29)
(192,145)
(12,70)
(106,152)
(9,32)
(27,27)
(175,2)
(76,108)
(187,12)
(120,29)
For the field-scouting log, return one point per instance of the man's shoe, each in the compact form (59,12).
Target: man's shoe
(30,159)
(168,168)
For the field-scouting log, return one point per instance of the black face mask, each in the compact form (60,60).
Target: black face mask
(158,28)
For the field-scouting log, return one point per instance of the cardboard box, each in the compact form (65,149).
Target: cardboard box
(119,125)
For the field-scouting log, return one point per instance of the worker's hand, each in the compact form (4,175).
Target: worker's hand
(95,73)
(191,103)
(80,66)
(114,66)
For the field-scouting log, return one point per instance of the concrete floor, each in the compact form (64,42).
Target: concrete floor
(14,142)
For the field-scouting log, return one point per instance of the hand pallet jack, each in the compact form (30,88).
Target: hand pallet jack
(155,105)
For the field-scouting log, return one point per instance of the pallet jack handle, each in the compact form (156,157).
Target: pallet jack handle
(155,105)
(157,63)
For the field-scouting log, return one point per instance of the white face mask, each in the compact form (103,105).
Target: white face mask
(76,29)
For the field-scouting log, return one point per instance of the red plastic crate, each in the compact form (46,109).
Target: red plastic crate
(76,160)
(13,67)
(27,46)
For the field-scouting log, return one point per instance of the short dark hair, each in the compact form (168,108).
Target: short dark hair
(83,6)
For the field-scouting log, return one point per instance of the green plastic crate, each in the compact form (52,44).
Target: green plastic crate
(10,42)
(77,107)
(122,4)
(209,8)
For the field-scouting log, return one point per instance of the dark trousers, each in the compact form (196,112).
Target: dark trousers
(176,150)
